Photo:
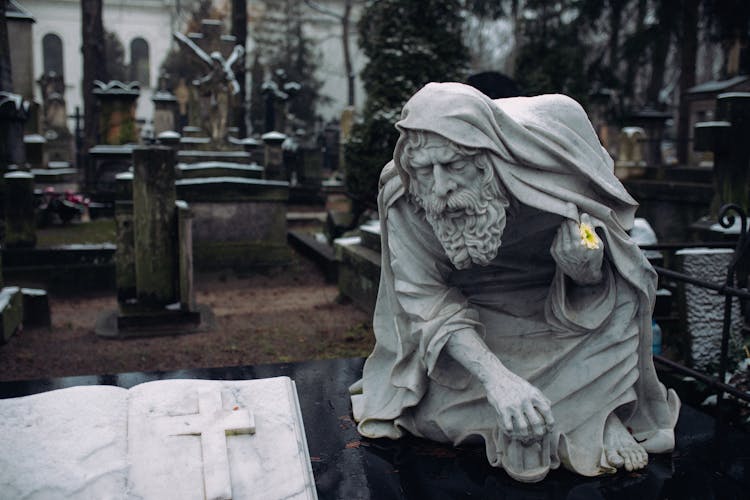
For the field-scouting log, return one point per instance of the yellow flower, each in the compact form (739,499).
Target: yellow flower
(589,239)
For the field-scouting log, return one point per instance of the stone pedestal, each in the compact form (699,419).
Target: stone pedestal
(154,259)
(185,256)
(155,225)
(104,164)
(165,108)
(274,156)
(652,122)
(704,308)
(20,219)
(125,253)
(35,146)
(359,266)
(251,146)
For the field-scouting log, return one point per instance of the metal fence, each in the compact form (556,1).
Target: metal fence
(735,285)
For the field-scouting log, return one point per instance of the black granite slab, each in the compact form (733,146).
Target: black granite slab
(708,463)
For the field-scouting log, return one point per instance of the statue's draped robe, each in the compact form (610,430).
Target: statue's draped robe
(588,350)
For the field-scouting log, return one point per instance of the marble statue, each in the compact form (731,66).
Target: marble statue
(513,307)
(219,84)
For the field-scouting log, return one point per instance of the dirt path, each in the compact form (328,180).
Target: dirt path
(282,315)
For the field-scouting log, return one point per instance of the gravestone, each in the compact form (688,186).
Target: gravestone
(251,145)
(117,102)
(20,218)
(105,163)
(702,105)
(274,156)
(359,265)
(705,308)
(238,223)
(653,123)
(125,251)
(35,146)
(154,253)
(727,138)
(154,225)
(165,108)
(630,156)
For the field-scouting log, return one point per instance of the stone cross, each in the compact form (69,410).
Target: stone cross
(213,424)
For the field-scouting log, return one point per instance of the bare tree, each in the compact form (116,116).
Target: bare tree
(345,19)
(688,53)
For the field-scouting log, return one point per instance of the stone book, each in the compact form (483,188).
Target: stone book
(168,439)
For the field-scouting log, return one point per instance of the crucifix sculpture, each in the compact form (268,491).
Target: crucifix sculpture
(219,83)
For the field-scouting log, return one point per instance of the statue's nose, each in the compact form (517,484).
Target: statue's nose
(443,185)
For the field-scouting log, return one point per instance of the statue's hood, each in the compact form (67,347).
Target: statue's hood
(545,149)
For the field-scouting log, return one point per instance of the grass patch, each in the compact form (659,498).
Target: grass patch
(95,232)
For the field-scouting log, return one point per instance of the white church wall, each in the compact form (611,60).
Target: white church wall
(153,21)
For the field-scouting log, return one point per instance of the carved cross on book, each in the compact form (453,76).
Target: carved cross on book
(213,424)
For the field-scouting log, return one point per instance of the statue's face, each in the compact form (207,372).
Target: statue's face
(444,179)
(461,198)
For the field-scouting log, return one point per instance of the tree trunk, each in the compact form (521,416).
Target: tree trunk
(660,42)
(92,36)
(688,51)
(345,21)
(634,59)
(615,22)
(6,80)
(239,30)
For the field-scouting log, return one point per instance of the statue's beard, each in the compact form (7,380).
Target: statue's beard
(468,224)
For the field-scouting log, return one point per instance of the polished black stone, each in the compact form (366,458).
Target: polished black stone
(708,463)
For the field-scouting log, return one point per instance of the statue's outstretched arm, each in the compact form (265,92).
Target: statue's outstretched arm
(523,411)
(236,56)
(188,43)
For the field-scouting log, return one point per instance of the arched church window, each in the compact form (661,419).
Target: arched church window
(52,53)
(139,61)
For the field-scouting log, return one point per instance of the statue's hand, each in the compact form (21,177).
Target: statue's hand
(578,251)
(524,412)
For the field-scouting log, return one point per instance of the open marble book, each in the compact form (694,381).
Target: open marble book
(169,439)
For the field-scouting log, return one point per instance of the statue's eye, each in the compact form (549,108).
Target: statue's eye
(457,166)
(423,172)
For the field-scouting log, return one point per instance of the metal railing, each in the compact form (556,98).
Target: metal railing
(735,285)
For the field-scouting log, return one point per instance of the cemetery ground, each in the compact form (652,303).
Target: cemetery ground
(267,316)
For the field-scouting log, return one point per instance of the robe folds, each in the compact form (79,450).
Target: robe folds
(589,353)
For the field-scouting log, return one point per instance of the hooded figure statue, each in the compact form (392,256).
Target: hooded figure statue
(513,307)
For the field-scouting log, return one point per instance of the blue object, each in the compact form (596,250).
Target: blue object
(656,338)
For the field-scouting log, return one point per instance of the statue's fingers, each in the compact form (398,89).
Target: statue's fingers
(543,407)
(566,235)
(520,424)
(506,421)
(585,219)
(536,422)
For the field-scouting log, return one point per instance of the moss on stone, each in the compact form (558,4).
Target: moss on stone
(239,255)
